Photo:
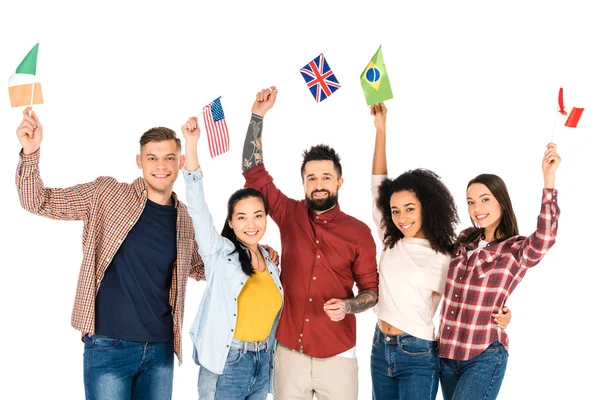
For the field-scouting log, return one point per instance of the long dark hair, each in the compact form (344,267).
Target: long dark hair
(227,232)
(508,222)
(438,209)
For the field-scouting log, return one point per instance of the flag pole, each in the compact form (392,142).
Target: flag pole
(294,74)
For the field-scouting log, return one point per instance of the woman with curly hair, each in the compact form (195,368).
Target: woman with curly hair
(416,218)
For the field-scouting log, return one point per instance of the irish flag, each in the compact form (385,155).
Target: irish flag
(22,86)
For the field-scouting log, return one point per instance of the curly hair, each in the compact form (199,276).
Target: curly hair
(438,209)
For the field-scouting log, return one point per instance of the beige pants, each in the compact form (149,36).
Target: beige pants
(298,376)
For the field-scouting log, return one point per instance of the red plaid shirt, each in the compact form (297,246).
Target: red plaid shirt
(109,209)
(478,287)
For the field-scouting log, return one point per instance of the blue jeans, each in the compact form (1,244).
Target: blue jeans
(245,376)
(475,379)
(404,367)
(115,369)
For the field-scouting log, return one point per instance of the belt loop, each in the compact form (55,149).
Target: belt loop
(244,347)
(266,345)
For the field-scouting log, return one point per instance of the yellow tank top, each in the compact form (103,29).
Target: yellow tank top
(258,305)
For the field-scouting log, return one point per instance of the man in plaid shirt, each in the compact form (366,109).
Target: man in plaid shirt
(138,251)
(489,262)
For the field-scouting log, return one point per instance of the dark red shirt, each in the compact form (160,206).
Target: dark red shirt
(322,256)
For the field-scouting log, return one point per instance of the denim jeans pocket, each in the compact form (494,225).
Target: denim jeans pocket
(234,356)
(102,343)
(416,347)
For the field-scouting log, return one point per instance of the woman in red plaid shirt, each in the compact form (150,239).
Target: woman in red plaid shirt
(416,218)
(489,261)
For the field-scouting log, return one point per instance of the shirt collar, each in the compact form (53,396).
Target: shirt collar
(140,189)
(326,217)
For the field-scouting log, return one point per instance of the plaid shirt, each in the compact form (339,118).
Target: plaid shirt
(478,287)
(109,210)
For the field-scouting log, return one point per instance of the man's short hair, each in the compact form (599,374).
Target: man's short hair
(321,152)
(159,134)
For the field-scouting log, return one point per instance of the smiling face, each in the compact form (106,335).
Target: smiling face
(249,220)
(406,213)
(485,211)
(321,184)
(160,163)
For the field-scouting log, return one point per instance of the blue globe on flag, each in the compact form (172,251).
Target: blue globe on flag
(373,75)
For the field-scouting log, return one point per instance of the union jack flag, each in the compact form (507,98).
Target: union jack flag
(320,78)
(216,128)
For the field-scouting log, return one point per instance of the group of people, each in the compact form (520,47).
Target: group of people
(259,331)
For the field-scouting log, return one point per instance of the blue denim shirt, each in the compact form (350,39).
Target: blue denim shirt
(213,328)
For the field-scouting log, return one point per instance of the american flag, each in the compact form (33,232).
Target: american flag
(320,79)
(216,128)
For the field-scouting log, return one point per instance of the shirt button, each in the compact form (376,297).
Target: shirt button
(456,295)
(324,222)
(317,242)
(299,340)
(314,278)
(448,328)
(317,217)
(242,283)
(318,256)
(227,346)
(234,299)
(301,335)
(451,312)
(234,315)
(306,319)
(310,299)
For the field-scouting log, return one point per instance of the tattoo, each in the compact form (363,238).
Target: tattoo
(252,153)
(362,302)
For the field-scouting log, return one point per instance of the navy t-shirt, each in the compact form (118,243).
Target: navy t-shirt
(133,299)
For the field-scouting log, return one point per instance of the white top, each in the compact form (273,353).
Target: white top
(412,277)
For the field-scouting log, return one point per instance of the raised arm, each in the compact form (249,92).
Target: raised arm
(379,111)
(379,170)
(252,154)
(537,245)
(207,237)
(65,203)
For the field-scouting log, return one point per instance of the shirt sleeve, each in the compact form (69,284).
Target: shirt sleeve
(72,203)
(280,206)
(533,248)
(197,271)
(376,181)
(364,267)
(208,239)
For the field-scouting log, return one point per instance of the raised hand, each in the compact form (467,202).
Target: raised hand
(30,132)
(550,163)
(264,101)
(379,111)
(191,129)
(191,133)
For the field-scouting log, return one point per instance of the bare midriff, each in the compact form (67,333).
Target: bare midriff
(389,329)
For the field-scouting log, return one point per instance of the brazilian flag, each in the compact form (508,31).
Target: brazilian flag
(374,80)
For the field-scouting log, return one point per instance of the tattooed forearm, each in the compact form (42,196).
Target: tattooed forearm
(362,302)
(252,153)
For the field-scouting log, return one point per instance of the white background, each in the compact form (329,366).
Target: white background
(475,87)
